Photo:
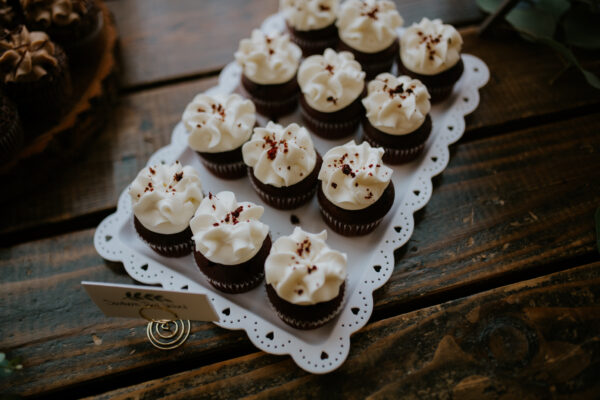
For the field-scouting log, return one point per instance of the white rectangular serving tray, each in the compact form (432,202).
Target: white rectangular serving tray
(371,257)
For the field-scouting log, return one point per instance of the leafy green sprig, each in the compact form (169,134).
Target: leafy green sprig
(559,24)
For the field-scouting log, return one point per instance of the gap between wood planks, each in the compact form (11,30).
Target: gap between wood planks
(169,81)
(137,376)
(485,132)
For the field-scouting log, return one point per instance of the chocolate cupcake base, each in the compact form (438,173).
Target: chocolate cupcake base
(373,63)
(440,85)
(88,46)
(169,245)
(43,102)
(271,100)
(11,131)
(334,125)
(355,222)
(315,41)
(309,316)
(235,278)
(226,164)
(399,149)
(287,198)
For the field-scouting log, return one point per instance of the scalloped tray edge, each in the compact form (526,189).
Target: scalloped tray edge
(315,358)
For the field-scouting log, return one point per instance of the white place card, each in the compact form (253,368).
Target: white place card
(152,304)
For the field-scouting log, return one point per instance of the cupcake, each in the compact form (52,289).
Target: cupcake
(331,85)
(269,65)
(430,52)
(282,165)
(218,126)
(305,279)
(231,243)
(368,29)
(11,131)
(397,117)
(9,14)
(34,73)
(164,199)
(71,23)
(355,190)
(311,24)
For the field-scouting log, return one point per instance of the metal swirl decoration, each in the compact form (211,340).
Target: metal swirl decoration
(166,334)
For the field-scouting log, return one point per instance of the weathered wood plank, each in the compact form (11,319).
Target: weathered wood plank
(505,206)
(527,83)
(535,339)
(143,123)
(62,337)
(163,41)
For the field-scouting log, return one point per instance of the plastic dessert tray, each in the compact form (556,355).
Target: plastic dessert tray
(370,257)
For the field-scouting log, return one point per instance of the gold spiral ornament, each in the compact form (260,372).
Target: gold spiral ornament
(165,333)
(168,335)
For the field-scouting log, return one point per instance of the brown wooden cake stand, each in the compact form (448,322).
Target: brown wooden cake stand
(95,87)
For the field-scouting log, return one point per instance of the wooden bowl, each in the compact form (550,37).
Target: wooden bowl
(95,86)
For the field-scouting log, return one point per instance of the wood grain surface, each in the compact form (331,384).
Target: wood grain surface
(537,339)
(495,296)
(489,221)
(143,122)
(165,41)
(504,205)
(140,124)
(63,339)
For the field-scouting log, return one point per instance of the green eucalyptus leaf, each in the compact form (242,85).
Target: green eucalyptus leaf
(538,18)
(537,21)
(8,366)
(489,6)
(556,8)
(568,54)
(598,228)
(582,28)
(533,21)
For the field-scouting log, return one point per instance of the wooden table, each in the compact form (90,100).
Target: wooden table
(496,295)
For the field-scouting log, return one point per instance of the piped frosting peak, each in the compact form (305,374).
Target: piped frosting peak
(26,56)
(303,270)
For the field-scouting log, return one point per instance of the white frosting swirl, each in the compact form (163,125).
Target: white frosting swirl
(331,81)
(303,270)
(268,59)
(368,26)
(396,105)
(353,176)
(307,15)
(227,232)
(165,197)
(430,47)
(218,123)
(280,156)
